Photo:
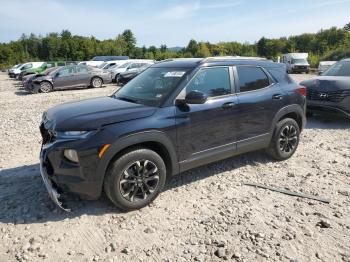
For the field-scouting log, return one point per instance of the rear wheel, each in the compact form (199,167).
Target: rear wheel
(45,87)
(135,179)
(96,82)
(285,139)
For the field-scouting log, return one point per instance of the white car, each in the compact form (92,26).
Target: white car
(110,64)
(324,65)
(16,71)
(130,64)
(98,60)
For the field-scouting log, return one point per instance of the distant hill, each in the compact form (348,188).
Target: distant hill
(175,48)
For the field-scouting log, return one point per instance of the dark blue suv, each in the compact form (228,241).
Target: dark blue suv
(176,115)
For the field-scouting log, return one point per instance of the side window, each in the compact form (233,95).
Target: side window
(251,78)
(82,70)
(211,81)
(66,71)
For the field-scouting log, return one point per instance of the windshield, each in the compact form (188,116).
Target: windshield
(152,86)
(338,69)
(102,65)
(299,61)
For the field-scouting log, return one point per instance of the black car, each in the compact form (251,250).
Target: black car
(174,116)
(330,92)
(125,77)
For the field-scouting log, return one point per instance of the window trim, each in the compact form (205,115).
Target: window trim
(182,93)
(272,82)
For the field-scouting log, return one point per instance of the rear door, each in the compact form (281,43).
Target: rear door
(207,130)
(259,99)
(82,76)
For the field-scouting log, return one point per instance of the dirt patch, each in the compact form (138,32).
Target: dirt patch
(206,214)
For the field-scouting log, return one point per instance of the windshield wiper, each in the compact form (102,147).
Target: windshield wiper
(127,99)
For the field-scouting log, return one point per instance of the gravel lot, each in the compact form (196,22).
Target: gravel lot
(206,214)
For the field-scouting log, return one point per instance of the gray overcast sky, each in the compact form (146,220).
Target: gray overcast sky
(172,22)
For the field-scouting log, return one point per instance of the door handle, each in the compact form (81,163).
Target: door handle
(277,97)
(228,105)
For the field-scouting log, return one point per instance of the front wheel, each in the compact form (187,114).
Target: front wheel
(285,139)
(135,179)
(96,82)
(45,87)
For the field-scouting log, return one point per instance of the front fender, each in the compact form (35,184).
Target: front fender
(135,139)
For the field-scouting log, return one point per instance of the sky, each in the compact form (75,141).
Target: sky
(172,22)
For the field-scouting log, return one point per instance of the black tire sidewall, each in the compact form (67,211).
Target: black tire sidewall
(115,172)
(280,155)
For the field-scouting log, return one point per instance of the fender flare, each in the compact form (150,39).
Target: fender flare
(135,139)
(294,108)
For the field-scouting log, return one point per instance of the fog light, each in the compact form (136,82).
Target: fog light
(71,155)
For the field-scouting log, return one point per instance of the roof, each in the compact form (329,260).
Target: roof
(346,60)
(214,61)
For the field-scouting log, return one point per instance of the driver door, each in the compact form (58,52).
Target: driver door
(64,78)
(206,131)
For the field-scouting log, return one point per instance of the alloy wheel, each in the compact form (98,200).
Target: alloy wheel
(139,180)
(96,82)
(45,87)
(288,138)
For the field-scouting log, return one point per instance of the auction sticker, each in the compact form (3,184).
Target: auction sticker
(174,74)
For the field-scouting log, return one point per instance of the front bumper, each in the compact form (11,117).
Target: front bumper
(342,107)
(52,191)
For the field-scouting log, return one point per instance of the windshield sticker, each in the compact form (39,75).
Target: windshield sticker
(174,74)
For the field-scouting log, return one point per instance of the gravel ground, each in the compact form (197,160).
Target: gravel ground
(206,214)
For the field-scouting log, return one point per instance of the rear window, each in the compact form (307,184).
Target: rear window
(251,78)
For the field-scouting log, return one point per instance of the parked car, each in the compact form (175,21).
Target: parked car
(10,71)
(324,65)
(69,77)
(43,67)
(330,92)
(174,116)
(16,71)
(110,64)
(98,60)
(28,79)
(133,64)
(296,62)
(124,77)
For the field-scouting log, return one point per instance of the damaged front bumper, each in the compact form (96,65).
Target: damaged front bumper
(54,195)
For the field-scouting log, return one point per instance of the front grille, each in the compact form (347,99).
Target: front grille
(46,135)
(301,67)
(333,96)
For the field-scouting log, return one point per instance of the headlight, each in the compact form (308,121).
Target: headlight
(73,134)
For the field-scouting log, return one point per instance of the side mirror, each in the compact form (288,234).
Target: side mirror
(195,97)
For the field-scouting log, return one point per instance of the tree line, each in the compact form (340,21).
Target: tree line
(328,44)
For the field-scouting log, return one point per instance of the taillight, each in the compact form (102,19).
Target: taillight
(301,90)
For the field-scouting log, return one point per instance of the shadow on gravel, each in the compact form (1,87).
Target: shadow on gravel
(24,199)
(22,93)
(327,121)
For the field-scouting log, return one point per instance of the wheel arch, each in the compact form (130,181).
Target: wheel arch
(155,140)
(94,76)
(293,111)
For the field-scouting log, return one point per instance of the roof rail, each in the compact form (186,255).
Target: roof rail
(232,58)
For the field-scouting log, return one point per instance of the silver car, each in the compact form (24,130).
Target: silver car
(68,77)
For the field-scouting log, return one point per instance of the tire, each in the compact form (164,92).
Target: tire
(127,183)
(45,87)
(96,82)
(285,139)
(116,78)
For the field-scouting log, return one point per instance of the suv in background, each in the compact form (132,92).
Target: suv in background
(174,116)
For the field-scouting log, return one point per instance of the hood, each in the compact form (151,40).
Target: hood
(39,78)
(327,83)
(93,113)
